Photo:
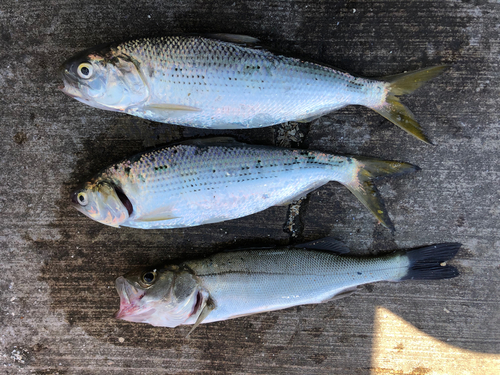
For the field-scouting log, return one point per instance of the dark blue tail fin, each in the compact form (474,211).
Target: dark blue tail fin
(429,263)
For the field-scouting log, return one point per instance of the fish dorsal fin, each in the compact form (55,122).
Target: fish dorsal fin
(207,309)
(234,38)
(327,243)
(213,141)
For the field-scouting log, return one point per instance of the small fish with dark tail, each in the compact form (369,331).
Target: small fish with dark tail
(233,284)
(221,81)
(216,179)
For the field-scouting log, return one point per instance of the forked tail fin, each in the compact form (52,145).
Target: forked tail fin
(363,187)
(429,263)
(402,84)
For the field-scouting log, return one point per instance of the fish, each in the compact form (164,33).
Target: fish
(238,283)
(224,81)
(203,181)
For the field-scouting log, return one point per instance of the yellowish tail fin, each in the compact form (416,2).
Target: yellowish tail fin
(402,84)
(364,189)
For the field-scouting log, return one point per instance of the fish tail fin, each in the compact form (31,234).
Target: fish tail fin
(363,187)
(429,263)
(402,84)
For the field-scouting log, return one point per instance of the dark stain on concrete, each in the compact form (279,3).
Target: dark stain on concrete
(20,138)
(318,358)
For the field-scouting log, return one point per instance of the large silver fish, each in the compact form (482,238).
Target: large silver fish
(233,284)
(212,180)
(210,82)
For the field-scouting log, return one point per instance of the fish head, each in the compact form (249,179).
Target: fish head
(103,202)
(162,297)
(104,78)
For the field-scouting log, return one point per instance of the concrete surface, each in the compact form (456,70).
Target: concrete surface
(58,268)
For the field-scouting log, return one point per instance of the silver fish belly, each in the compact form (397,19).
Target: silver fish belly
(214,180)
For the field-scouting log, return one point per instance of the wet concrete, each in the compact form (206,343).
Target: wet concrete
(58,268)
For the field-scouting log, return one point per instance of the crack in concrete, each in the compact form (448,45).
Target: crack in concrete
(292,134)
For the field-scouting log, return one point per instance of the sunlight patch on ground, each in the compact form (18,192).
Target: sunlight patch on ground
(401,349)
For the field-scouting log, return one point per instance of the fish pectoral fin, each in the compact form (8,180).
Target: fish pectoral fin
(156,218)
(166,107)
(343,294)
(207,309)
(158,215)
(327,243)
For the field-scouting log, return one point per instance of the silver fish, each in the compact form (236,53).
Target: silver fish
(221,82)
(233,284)
(212,180)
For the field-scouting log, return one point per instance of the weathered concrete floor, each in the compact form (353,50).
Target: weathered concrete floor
(58,268)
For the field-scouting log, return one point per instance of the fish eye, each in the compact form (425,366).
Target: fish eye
(83,199)
(85,70)
(149,277)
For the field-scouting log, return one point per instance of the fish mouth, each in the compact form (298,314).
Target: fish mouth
(130,308)
(70,83)
(128,298)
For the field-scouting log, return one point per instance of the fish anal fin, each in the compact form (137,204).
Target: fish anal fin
(302,194)
(345,293)
(327,243)
(207,309)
